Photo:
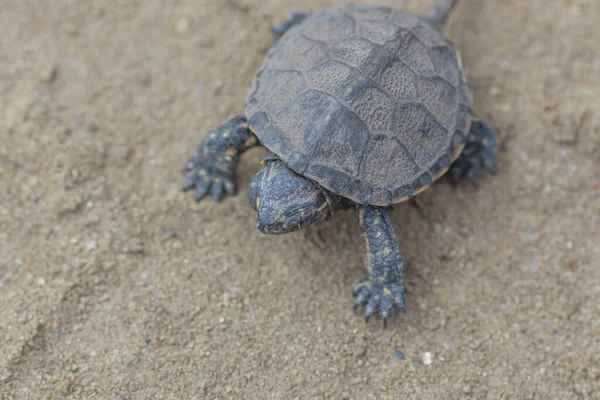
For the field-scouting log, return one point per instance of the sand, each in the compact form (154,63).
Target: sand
(116,285)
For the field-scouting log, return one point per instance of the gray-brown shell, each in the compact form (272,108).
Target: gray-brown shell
(368,101)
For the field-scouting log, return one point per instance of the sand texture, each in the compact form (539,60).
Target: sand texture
(116,285)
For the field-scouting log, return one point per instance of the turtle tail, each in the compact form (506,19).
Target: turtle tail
(438,14)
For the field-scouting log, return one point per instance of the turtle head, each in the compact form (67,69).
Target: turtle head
(285,201)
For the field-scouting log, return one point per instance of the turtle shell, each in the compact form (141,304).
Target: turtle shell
(368,101)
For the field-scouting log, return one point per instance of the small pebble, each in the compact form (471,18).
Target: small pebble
(91,246)
(48,72)
(427,358)
(530,234)
(534,267)
(182,26)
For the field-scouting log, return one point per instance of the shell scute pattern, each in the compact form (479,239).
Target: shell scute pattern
(427,137)
(395,156)
(331,177)
(352,51)
(422,182)
(440,167)
(330,133)
(400,80)
(366,12)
(437,94)
(385,34)
(356,92)
(376,109)
(431,141)
(405,19)
(371,101)
(328,26)
(443,59)
(463,119)
(285,85)
(428,37)
(378,60)
(414,53)
(310,52)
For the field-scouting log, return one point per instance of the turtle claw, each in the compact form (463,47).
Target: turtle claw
(206,178)
(202,186)
(379,297)
(361,298)
(479,153)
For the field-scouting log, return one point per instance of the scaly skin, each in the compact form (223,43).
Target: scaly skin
(382,289)
(479,152)
(212,168)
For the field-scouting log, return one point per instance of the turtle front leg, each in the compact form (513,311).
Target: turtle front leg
(297,18)
(382,289)
(479,152)
(212,168)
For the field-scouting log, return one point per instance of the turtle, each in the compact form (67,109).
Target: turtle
(359,107)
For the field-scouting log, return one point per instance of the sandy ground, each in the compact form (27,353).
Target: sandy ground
(116,285)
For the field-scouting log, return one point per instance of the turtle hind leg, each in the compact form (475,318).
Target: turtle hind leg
(479,153)
(297,18)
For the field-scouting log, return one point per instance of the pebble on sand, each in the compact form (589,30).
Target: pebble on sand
(48,72)
(427,358)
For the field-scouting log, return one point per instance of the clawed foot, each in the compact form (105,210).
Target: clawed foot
(479,152)
(205,177)
(380,297)
(212,168)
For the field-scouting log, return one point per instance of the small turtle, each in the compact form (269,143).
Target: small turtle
(360,107)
